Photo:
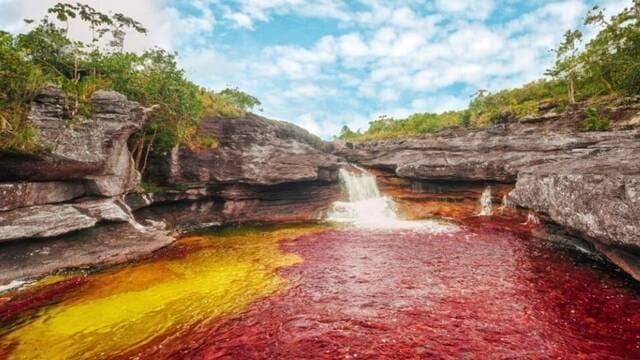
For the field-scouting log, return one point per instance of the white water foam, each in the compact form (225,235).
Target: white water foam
(486,204)
(14,284)
(367,208)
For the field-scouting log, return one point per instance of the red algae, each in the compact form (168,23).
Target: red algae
(33,299)
(484,292)
(490,290)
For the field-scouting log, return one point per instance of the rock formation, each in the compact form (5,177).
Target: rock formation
(81,193)
(88,150)
(597,198)
(587,182)
(261,171)
(74,196)
(72,192)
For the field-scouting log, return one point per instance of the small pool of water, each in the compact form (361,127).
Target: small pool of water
(488,290)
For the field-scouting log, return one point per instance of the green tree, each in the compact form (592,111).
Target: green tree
(240,99)
(567,62)
(46,54)
(347,134)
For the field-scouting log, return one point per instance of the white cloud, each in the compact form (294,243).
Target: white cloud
(352,46)
(472,9)
(248,12)
(168,28)
(303,91)
(377,56)
(308,122)
(240,19)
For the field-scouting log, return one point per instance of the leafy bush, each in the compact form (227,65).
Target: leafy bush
(203,142)
(420,123)
(46,54)
(20,80)
(487,108)
(228,102)
(593,122)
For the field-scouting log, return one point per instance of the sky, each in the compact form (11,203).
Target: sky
(327,63)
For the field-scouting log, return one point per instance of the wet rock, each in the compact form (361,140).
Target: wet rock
(296,202)
(244,203)
(420,199)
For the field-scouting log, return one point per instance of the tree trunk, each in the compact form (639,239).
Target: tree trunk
(572,91)
(146,155)
(139,150)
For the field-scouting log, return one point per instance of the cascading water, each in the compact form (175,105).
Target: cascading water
(486,203)
(367,208)
(532,218)
(506,204)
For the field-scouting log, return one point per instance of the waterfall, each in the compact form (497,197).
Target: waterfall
(506,204)
(486,202)
(360,185)
(532,218)
(367,208)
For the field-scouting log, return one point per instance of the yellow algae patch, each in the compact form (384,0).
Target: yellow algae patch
(126,307)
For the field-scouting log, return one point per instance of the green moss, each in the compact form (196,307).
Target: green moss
(150,187)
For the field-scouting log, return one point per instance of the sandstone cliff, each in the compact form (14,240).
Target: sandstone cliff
(72,193)
(262,171)
(78,195)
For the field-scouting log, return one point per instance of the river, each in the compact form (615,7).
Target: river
(365,285)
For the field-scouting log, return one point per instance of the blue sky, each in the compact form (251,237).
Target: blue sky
(326,63)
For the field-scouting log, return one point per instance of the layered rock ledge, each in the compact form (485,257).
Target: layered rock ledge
(261,171)
(72,205)
(587,182)
(70,196)
(597,198)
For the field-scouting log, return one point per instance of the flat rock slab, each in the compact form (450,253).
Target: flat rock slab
(103,245)
(23,194)
(54,220)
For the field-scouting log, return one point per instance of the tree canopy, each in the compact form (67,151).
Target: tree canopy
(47,54)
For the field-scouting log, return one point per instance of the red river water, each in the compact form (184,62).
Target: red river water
(482,293)
(488,291)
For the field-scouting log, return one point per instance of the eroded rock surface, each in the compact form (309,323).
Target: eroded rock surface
(587,182)
(53,220)
(69,195)
(109,243)
(92,149)
(23,194)
(597,198)
(496,154)
(76,181)
(262,171)
(252,150)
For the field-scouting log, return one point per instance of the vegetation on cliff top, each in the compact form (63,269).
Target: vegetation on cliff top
(46,54)
(606,66)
